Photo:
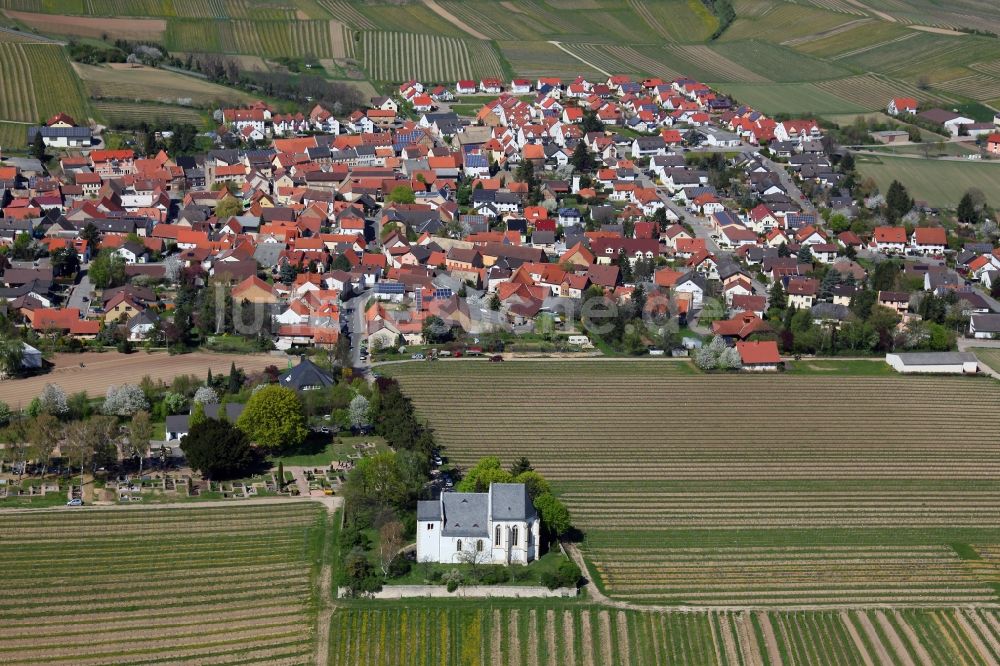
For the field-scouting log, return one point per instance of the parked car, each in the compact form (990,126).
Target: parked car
(75,502)
(417,357)
(497,358)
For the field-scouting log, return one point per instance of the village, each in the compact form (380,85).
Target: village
(408,227)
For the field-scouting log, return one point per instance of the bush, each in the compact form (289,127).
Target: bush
(566,575)
(494,575)
(452,584)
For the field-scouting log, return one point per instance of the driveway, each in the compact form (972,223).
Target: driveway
(356,325)
(83,288)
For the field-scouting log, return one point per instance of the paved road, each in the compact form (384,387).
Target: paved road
(83,288)
(790,186)
(356,326)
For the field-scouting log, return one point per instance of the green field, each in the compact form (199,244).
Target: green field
(155,114)
(834,483)
(397,56)
(13,136)
(36,82)
(938,182)
(798,98)
(193,585)
(988,356)
(516,634)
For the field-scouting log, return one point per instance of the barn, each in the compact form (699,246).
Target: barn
(941,363)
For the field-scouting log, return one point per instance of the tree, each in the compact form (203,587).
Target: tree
(124,400)
(274,417)
(38,148)
(829,282)
(777,297)
(358,410)
(44,432)
(525,173)
(804,255)
(555,516)
(140,431)
(435,330)
(520,466)
(107,270)
(390,541)
(534,483)
(11,357)
(898,202)
(402,194)
(229,207)
(206,395)
(967,211)
(65,262)
(590,122)
(486,471)
(378,478)
(91,235)
(581,158)
(217,449)
(53,400)
(198,415)
(5,414)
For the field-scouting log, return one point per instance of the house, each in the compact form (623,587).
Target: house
(944,363)
(466,87)
(802,292)
(254,290)
(759,356)
(897,301)
(929,240)
(993,143)
(694,285)
(984,326)
(500,526)
(62,137)
(902,105)
(889,239)
(306,376)
(950,120)
(178,424)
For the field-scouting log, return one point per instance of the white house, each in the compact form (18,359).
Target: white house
(496,527)
(950,363)
(984,326)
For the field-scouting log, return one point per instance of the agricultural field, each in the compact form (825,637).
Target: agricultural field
(679,20)
(136,586)
(94,372)
(154,114)
(270,39)
(545,633)
(13,136)
(36,82)
(89,26)
(798,98)
(938,182)
(155,85)
(777,62)
(988,356)
(396,56)
(534,59)
(716,490)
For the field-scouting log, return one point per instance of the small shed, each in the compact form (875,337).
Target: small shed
(942,363)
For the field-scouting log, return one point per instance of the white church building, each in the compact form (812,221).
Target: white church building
(502,524)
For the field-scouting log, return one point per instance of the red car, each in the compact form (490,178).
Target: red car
(496,359)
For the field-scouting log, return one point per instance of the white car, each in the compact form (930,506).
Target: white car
(75,502)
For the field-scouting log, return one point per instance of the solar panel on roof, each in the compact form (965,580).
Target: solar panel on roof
(390,288)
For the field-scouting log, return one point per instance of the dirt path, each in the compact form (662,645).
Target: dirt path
(726,629)
(938,31)
(559,46)
(852,631)
(894,640)
(586,638)
(748,640)
(773,653)
(515,638)
(881,15)
(326,603)
(454,20)
(569,637)
(496,638)
(623,642)
(550,635)
(604,632)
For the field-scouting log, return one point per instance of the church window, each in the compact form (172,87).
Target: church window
(513,537)
(458,546)
(479,546)
(496,538)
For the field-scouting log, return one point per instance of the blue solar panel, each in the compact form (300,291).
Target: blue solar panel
(390,288)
